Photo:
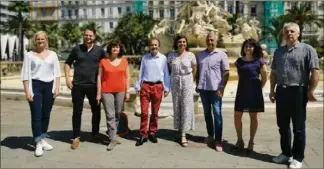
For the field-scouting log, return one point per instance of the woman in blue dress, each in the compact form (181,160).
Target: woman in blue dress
(249,97)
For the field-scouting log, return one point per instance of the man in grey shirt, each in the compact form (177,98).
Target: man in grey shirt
(295,75)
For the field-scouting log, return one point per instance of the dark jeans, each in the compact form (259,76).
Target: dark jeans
(210,100)
(78,94)
(41,108)
(291,104)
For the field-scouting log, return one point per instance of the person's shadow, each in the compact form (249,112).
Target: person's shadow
(24,142)
(228,148)
(66,137)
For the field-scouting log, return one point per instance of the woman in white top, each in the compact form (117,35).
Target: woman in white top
(41,78)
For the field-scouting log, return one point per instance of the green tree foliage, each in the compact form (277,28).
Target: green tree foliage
(132,31)
(303,15)
(276,28)
(71,32)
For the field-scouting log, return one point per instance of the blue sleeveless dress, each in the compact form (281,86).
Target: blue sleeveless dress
(249,97)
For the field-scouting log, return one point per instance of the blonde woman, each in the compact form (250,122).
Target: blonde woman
(41,79)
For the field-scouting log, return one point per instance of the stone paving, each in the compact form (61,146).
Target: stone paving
(17,148)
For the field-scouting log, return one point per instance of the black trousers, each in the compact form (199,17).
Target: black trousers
(78,94)
(291,104)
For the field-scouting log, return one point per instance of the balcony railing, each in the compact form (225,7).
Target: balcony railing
(46,18)
(45,4)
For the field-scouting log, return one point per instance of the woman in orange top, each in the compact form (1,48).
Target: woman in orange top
(113,85)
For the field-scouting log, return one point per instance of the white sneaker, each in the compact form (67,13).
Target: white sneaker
(282,159)
(39,149)
(46,146)
(295,164)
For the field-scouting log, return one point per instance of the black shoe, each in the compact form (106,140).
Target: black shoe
(141,141)
(153,138)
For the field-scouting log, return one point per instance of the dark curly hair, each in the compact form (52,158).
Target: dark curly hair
(257,52)
(176,39)
(114,44)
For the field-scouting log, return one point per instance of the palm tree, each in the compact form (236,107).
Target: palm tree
(71,32)
(276,28)
(303,15)
(18,24)
(95,26)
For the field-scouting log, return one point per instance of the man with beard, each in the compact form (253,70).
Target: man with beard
(153,82)
(85,58)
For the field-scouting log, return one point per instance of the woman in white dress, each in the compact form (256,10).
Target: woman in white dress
(182,65)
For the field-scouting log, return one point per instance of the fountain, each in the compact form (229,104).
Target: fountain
(196,19)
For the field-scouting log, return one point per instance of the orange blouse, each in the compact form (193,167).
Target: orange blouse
(113,77)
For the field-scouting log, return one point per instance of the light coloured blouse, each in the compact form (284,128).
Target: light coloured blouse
(46,70)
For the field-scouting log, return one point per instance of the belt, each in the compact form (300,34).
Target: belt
(286,86)
(152,83)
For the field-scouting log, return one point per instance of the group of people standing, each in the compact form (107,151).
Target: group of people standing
(294,77)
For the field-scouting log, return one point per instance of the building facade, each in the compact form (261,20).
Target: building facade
(44,11)
(104,13)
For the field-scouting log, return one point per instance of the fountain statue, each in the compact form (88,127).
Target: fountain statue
(196,19)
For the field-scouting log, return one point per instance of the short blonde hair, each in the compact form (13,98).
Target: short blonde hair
(37,34)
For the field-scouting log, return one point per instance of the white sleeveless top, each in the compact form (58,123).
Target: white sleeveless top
(46,70)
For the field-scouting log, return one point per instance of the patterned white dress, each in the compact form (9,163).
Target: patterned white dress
(182,89)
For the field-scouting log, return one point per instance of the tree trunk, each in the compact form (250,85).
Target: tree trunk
(20,56)
(301,33)
(237,7)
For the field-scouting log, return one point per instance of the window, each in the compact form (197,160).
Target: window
(77,2)
(111,25)
(253,11)
(128,9)
(161,2)
(119,10)
(84,13)
(62,13)
(70,2)
(230,8)
(151,13)
(150,3)
(161,13)
(93,12)
(43,12)
(172,2)
(62,3)
(102,11)
(111,11)
(76,11)
(94,2)
(70,13)
(172,14)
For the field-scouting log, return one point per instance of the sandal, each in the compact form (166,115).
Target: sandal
(238,146)
(183,143)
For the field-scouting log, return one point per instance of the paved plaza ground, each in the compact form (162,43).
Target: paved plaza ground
(17,148)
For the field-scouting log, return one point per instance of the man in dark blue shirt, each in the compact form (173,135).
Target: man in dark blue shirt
(85,59)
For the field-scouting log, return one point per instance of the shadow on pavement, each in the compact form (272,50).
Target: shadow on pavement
(25,142)
(227,148)
(66,137)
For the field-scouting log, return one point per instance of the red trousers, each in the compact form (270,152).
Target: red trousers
(150,93)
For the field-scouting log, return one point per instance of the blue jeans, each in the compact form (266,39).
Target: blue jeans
(41,108)
(210,99)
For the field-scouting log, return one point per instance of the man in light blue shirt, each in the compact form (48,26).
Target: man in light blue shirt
(153,82)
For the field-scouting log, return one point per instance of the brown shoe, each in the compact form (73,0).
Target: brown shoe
(75,143)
